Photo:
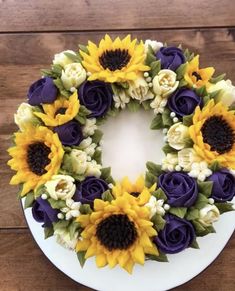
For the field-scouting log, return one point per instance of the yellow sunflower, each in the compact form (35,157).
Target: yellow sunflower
(117,232)
(198,77)
(141,193)
(213,134)
(61,111)
(36,157)
(114,61)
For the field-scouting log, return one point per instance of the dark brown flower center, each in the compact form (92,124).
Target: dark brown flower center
(37,157)
(114,59)
(135,194)
(116,232)
(61,110)
(198,76)
(218,134)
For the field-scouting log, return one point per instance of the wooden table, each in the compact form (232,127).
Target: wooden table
(31,32)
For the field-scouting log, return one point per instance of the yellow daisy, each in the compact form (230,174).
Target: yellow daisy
(198,77)
(117,232)
(138,189)
(114,61)
(213,134)
(36,157)
(61,111)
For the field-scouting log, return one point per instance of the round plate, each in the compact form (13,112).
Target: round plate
(136,145)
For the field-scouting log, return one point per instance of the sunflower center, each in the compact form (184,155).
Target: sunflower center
(114,59)
(61,110)
(135,194)
(37,157)
(116,232)
(218,134)
(198,76)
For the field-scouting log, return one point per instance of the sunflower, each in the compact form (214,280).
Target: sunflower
(138,189)
(114,61)
(213,134)
(117,232)
(61,111)
(36,157)
(198,77)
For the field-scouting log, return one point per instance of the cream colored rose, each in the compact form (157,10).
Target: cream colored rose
(139,90)
(61,187)
(165,83)
(73,75)
(169,162)
(227,92)
(209,214)
(78,161)
(62,60)
(93,169)
(89,127)
(187,157)
(177,135)
(64,239)
(25,117)
(155,45)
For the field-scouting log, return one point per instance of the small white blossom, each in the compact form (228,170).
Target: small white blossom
(78,161)
(158,104)
(72,209)
(121,99)
(200,170)
(209,214)
(61,187)
(177,135)
(87,146)
(89,127)
(155,206)
(93,169)
(169,162)
(155,45)
(62,60)
(187,157)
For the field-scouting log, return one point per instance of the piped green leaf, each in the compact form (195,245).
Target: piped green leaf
(153,168)
(178,211)
(157,122)
(29,199)
(81,258)
(107,196)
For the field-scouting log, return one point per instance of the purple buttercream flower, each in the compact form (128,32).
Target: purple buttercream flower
(69,133)
(42,91)
(90,189)
(184,101)
(223,188)
(43,212)
(171,57)
(96,96)
(177,235)
(180,189)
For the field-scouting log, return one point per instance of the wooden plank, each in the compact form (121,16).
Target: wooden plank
(83,15)
(24,267)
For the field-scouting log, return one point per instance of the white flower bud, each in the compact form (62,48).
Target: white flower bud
(61,187)
(227,92)
(89,127)
(62,60)
(78,161)
(177,135)
(209,214)
(73,75)
(155,45)
(24,116)
(93,169)
(139,90)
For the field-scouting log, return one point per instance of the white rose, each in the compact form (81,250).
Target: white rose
(165,83)
(155,45)
(78,161)
(25,117)
(209,214)
(73,75)
(64,239)
(89,127)
(139,90)
(176,135)
(227,92)
(169,162)
(62,60)
(187,157)
(93,169)
(61,187)
(155,206)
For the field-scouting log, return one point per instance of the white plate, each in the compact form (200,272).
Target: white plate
(129,158)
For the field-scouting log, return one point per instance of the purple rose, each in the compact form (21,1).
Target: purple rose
(42,91)
(184,101)
(90,189)
(171,57)
(180,189)
(43,212)
(177,235)
(69,133)
(223,188)
(96,96)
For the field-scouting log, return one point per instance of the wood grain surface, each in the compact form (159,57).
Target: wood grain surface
(31,32)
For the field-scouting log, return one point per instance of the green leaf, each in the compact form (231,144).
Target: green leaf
(182,83)
(153,168)
(80,119)
(166,119)
(57,69)
(57,204)
(83,48)
(97,156)
(83,111)
(150,56)
(158,221)
(40,190)
(97,136)
(201,202)
(205,187)
(232,107)
(201,91)
(160,194)
(107,196)
(105,173)
(61,88)
(29,200)
(192,214)
(217,79)
(181,71)
(146,105)
(214,95)
(161,258)
(73,57)
(188,142)
(194,245)
(178,211)
(61,224)
(73,228)
(133,106)
(215,166)
(188,120)
(81,258)
(48,231)
(199,228)
(85,209)
(225,207)
(167,149)
(155,68)
(157,122)
(150,179)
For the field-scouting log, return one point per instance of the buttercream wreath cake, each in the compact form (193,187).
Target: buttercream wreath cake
(57,153)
